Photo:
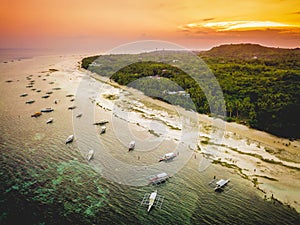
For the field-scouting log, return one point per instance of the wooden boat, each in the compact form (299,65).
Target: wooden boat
(45,96)
(90,155)
(131,145)
(37,114)
(103,129)
(79,115)
(152,200)
(30,101)
(70,139)
(47,110)
(220,184)
(50,120)
(23,95)
(101,122)
(49,92)
(72,107)
(168,156)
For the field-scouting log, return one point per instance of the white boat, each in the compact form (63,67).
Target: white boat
(103,129)
(168,156)
(152,200)
(70,139)
(159,178)
(90,155)
(221,183)
(47,110)
(50,120)
(131,145)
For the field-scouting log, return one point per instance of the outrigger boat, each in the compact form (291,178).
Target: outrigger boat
(131,145)
(47,110)
(168,156)
(152,200)
(50,120)
(70,139)
(90,155)
(159,178)
(103,130)
(220,184)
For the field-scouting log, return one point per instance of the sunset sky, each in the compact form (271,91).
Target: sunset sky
(102,24)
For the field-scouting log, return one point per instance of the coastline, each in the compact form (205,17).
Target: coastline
(270,163)
(247,151)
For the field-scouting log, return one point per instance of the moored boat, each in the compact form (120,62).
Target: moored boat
(50,120)
(23,95)
(79,115)
(152,200)
(168,156)
(159,178)
(45,96)
(220,184)
(131,145)
(70,139)
(37,114)
(47,110)
(103,130)
(30,101)
(72,107)
(90,155)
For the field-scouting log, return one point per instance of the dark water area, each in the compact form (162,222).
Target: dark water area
(28,144)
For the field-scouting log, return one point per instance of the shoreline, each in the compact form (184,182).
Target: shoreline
(247,151)
(270,163)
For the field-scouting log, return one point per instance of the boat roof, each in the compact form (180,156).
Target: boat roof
(222,182)
(169,154)
(161,175)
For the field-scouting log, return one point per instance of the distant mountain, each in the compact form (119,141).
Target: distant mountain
(251,51)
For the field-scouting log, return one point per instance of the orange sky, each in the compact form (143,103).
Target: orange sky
(104,24)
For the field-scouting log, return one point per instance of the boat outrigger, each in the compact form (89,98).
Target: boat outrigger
(152,200)
(168,156)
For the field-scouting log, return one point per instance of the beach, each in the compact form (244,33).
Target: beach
(269,165)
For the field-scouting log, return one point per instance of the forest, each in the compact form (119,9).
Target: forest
(260,85)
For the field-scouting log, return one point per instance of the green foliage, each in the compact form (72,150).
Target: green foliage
(261,86)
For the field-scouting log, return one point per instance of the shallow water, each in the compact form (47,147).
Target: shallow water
(188,197)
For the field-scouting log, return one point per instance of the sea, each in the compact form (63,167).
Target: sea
(28,143)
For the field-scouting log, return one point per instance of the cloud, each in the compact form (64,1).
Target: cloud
(239,27)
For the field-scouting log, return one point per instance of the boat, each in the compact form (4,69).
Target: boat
(101,122)
(131,145)
(159,178)
(50,120)
(45,96)
(70,139)
(23,95)
(220,184)
(47,110)
(30,101)
(103,129)
(72,107)
(49,92)
(79,115)
(168,156)
(37,114)
(69,95)
(90,155)
(152,200)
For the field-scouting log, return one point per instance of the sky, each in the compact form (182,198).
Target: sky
(105,24)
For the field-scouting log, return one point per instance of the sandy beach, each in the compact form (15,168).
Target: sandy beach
(270,163)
